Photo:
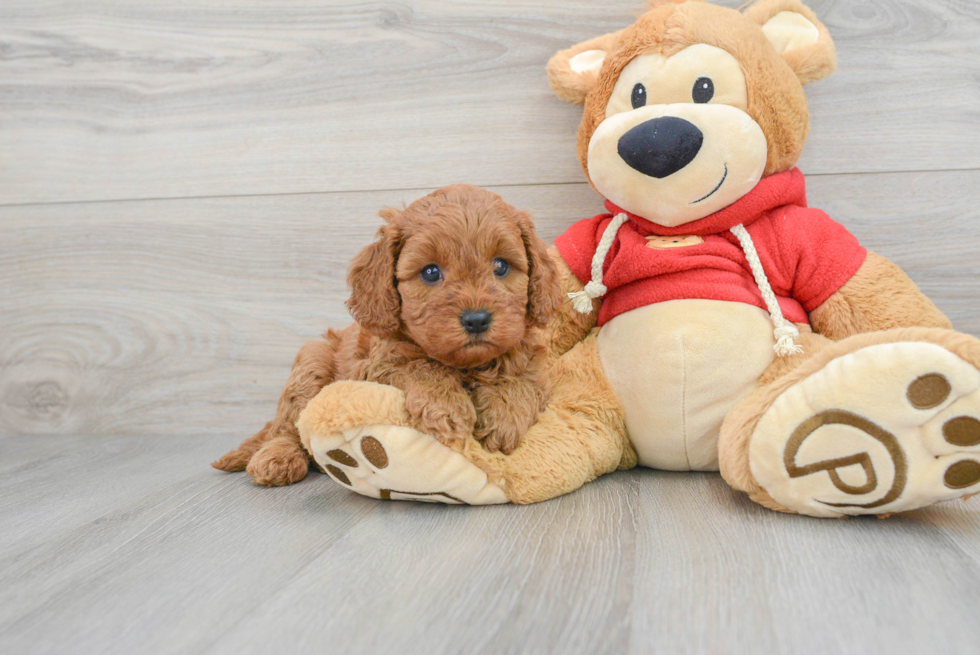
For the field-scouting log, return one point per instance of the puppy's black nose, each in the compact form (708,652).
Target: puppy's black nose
(476,321)
(661,146)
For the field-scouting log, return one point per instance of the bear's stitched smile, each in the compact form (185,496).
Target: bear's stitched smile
(723,178)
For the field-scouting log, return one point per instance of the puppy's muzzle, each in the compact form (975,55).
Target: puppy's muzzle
(476,321)
(662,146)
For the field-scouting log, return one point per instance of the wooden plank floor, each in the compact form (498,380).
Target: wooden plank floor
(182,184)
(129,545)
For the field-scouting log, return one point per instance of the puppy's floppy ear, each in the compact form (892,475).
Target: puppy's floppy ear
(798,36)
(374,301)
(544,290)
(573,72)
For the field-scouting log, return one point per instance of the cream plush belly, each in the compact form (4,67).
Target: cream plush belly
(678,368)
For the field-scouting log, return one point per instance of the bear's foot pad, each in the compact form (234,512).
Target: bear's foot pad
(399,463)
(888,428)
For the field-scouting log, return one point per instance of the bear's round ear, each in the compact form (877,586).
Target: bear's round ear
(803,41)
(575,71)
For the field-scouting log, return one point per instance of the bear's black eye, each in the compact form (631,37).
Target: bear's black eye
(500,267)
(431,274)
(639,96)
(704,90)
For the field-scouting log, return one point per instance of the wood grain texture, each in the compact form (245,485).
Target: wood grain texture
(638,562)
(183,316)
(134,99)
(183,185)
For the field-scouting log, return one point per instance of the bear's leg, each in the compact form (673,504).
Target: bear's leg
(359,432)
(877,423)
(580,436)
(274,456)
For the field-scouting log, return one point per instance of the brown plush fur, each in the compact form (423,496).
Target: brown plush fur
(880,296)
(876,301)
(775,83)
(582,434)
(579,437)
(574,88)
(870,308)
(811,63)
(569,326)
(409,335)
(739,425)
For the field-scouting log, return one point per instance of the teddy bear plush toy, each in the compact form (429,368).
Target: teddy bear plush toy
(714,321)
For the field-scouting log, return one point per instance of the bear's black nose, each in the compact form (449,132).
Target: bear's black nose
(661,146)
(476,321)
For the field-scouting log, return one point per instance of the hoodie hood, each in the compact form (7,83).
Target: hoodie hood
(779,190)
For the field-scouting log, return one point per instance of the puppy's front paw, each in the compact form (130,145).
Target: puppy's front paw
(445,416)
(500,425)
(505,440)
(500,432)
(277,464)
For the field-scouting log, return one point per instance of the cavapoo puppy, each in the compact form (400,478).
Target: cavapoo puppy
(449,303)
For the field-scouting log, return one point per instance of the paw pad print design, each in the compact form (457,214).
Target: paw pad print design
(888,428)
(927,392)
(398,463)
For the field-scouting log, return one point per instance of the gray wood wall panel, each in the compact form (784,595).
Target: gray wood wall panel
(133,99)
(183,316)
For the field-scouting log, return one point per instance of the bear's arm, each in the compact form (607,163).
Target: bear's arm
(568,327)
(880,296)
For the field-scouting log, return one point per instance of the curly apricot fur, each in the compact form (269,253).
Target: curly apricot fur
(408,332)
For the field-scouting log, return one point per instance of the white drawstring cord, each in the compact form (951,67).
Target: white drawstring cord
(582,300)
(786,333)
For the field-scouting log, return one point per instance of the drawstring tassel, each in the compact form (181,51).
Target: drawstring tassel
(786,337)
(582,300)
(785,333)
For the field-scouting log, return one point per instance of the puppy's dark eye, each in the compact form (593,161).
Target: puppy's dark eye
(704,90)
(639,96)
(500,267)
(431,274)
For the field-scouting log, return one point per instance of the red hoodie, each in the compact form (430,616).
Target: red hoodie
(807,256)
